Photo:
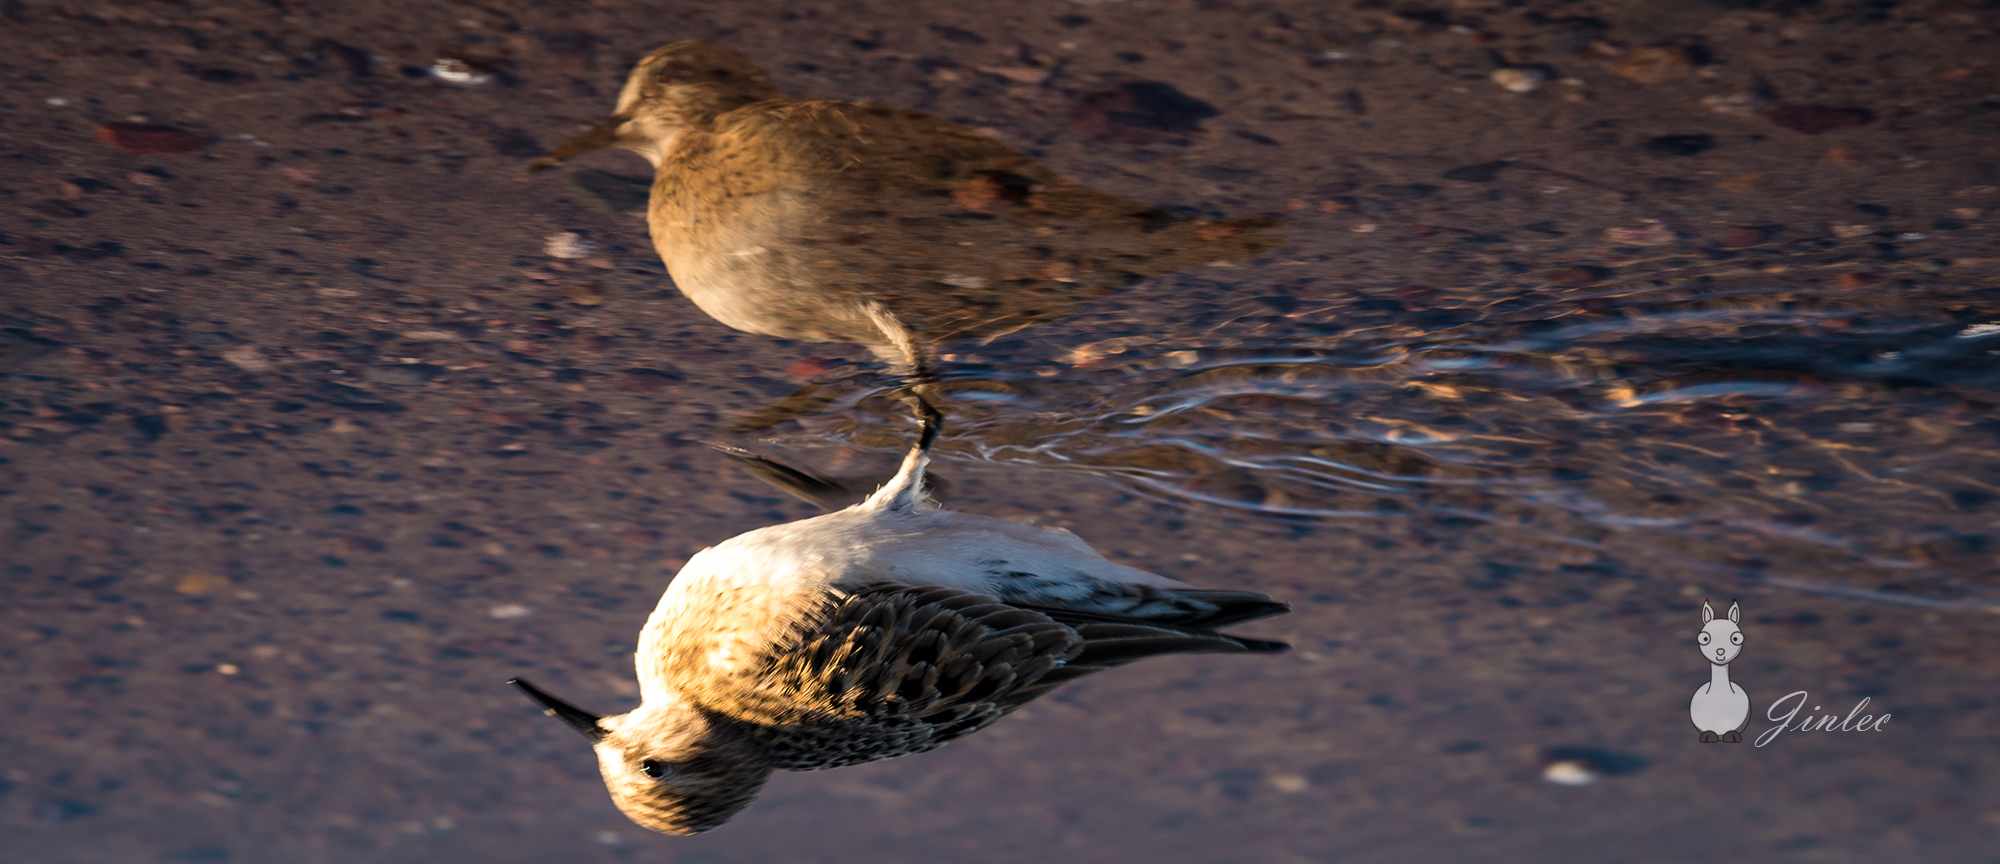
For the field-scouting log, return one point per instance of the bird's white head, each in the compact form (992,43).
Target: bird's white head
(670,766)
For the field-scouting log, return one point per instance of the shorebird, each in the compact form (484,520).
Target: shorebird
(834,221)
(889,628)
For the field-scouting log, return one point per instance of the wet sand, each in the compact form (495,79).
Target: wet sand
(310,444)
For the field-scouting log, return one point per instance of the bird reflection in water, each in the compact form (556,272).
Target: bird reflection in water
(833,221)
(894,625)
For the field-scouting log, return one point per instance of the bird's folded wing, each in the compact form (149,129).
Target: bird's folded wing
(1195,609)
(891,651)
(952,659)
(910,200)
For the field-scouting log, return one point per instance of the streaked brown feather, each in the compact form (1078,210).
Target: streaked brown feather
(887,669)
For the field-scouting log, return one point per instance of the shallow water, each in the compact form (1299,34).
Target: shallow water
(310,445)
(1694,422)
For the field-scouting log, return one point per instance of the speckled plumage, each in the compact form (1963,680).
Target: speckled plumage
(807,218)
(889,628)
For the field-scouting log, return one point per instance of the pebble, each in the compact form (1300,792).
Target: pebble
(1655,64)
(508,611)
(458,71)
(813,367)
(1648,234)
(1570,772)
(1519,79)
(1289,783)
(1734,104)
(197,584)
(1017,74)
(1850,231)
(145,138)
(248,358)
(1746,183)
(568,245)
(584,295)
(648,380)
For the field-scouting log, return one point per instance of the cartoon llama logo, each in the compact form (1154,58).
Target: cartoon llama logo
(1720,708)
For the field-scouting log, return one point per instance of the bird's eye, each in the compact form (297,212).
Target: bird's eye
(1703,638)
(1735,638)
(655,769)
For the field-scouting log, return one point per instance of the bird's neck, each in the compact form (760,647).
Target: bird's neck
(657,148)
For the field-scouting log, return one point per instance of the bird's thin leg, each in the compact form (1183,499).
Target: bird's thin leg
(906,490)
(933,420)
(905,353)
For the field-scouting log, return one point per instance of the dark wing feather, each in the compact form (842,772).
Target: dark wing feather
(886,669)
(1175,608)
(888,651)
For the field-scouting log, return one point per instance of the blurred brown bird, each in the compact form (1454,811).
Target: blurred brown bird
(826,220)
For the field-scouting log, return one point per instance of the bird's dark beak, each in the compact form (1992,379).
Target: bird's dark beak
(584,721)
(604,135)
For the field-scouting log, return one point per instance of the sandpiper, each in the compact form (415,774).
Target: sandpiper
(820,219)
(888,628)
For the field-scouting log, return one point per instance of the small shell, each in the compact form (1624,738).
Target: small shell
(1518,79)
(568,245)
(1571,772)
(458,71)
